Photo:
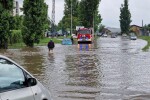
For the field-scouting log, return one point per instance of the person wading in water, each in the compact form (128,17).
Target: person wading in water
(50,46)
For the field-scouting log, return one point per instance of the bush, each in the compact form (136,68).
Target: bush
(16,36)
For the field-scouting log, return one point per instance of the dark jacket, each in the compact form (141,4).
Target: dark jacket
(51,44)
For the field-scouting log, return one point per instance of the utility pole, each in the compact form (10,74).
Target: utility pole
(93,23)
(53,11)
(71,19)
(142,23)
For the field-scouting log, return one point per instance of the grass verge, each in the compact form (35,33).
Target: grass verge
(147,38)
(43,42)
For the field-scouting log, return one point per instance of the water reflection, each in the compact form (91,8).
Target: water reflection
(82,72)
(84,47)
(29,58)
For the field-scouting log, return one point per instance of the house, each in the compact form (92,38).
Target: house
(16,9)
(138,30)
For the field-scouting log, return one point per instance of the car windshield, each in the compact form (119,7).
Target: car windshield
(84,31)
(11,77)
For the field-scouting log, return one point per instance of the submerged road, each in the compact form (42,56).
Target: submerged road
(113,69)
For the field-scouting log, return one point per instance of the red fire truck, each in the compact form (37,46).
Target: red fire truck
(85,35)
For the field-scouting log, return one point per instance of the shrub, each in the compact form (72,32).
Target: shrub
(16,36)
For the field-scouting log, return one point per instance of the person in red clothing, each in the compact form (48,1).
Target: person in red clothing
(50,46)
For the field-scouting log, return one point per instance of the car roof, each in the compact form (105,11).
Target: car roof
(2,56)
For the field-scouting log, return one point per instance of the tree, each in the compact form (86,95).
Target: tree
(66,20)
(18,20)
(88,11)
(125,18)
(97,20)
(67,9)
(7,4)
(6,7)
(35,16)
(101,28)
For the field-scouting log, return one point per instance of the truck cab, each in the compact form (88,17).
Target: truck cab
(84,35)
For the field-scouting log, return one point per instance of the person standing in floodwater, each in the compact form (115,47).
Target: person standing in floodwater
(72,40)
(50,46)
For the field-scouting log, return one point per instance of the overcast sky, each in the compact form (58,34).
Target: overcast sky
(110,11)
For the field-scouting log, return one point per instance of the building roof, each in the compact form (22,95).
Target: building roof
(136,26)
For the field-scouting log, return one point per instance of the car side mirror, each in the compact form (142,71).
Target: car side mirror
(32,81)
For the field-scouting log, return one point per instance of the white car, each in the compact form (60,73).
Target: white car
(18,84)
(133,37)
(124,35)
(105,35)
(74,36)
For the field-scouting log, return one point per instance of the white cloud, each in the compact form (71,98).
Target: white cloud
(110,12)
(59,9)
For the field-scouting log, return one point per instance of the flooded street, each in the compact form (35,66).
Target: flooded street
(113,69)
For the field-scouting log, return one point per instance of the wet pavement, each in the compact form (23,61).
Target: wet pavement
(111,69)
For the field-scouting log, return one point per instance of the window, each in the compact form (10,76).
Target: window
(11,76)
(84,31)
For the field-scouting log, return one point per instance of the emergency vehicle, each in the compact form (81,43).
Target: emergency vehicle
(85,35)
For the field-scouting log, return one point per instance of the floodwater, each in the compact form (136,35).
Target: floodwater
(111,69)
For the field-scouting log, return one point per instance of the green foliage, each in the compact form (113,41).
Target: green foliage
(16,36)
(66,23)
(35,16)
(5,17)
(75,5)
(101,28)
(12,24)
(83,14)
(97,20)
(146,27)
(66,20)
(147,38)
(18,20)
(7,4)
(88,11)
(125,17)
(47,24)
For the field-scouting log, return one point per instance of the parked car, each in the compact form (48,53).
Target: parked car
(18,84)
(60,33)
(133,37)
(66,41)
(99,34)
(124,35)
(48,33)
(74,36)
(105,35)
(113,35)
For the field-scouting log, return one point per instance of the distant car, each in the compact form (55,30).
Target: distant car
(133,37)
(48,33)
(60,34)
(105,35)
(66,41)
(124,35)
(18,84)
(74,36)
(113,35)
(99,34)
